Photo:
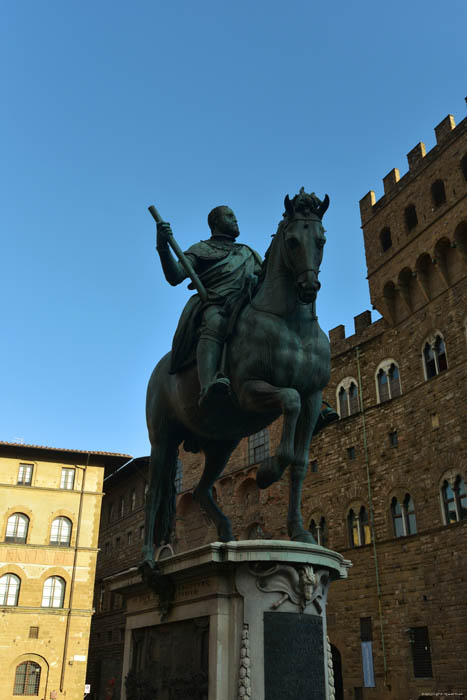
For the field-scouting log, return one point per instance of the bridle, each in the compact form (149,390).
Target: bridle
(285,253)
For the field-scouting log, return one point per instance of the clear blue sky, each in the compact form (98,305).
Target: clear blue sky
(111,106)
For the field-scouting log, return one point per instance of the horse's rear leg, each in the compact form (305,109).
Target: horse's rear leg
(261,397)
(217,455)
(160,498)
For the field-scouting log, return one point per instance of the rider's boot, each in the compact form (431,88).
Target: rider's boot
(208,355)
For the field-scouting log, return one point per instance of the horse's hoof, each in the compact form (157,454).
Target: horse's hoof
(269,472)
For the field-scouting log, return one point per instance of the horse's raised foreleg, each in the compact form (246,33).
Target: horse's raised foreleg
(217,454)
(306,423)
(261,397)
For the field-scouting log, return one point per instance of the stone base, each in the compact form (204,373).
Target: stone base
(247,620)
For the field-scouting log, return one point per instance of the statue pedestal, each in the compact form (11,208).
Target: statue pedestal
(247,620)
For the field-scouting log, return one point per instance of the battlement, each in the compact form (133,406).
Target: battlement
(364,328)
(417,159)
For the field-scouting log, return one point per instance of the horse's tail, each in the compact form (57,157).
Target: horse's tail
(165,514)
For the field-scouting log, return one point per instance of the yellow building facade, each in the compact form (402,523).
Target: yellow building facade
(50,503)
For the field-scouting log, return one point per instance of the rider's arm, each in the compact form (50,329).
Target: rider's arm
(172,268)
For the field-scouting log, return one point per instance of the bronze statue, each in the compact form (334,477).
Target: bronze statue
(228,271)
(276,360)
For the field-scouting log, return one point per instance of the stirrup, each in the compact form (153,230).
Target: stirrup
(220,386)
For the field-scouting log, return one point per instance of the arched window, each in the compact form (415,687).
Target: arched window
(319,531)
(133,499)
(27,679)
(258,446)
(17,528)
(60,532)
(403,516)
(438,193)
(53,593)
(9,589)
(464,166)
(411,219)
(385,239)
(255,532)
(359,527)
(347,397)
(388,381)
(434,356)
(454,499)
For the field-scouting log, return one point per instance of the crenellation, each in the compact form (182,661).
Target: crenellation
(362,321)
(417,158)
(444,128)
(337,333)
(391,180)
(416,155)
(366,205)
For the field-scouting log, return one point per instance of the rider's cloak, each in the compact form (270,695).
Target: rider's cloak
(228,271)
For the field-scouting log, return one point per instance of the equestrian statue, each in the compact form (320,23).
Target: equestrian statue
(248,348)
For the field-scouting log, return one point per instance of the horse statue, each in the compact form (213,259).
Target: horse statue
(278,362)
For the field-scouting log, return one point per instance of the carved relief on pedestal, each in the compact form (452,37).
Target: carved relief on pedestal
(299,584)
(244,681)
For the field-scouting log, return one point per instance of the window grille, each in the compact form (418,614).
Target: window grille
(366,630)
(27,679)
(60,533)
(53,593)
(34,633)
(25,474)
(9,589)
(258,446)
(17,528)
(67,479)
(421,652)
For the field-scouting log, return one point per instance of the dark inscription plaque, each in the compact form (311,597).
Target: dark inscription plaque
(293,657)
(170,661)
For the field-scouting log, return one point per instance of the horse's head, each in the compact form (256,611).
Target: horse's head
(303,241)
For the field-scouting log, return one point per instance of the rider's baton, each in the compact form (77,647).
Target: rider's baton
(187,266)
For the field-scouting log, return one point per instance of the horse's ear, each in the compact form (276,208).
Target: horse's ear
(288,205)
(323,206)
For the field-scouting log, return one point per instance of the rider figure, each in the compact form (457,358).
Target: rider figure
(228,271)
